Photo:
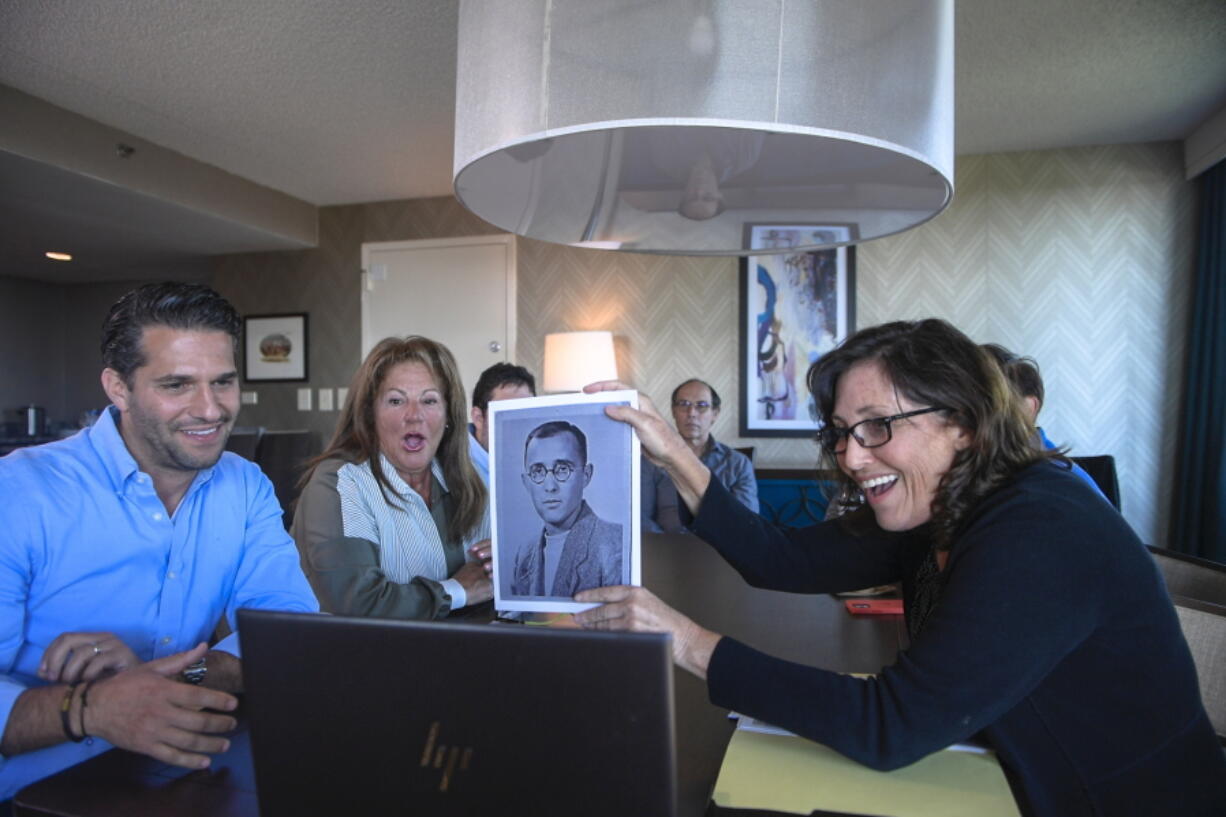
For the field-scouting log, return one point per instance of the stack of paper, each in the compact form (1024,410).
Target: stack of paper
(783,772)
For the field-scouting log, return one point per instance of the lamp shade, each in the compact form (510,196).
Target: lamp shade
(574,359)
(670,127)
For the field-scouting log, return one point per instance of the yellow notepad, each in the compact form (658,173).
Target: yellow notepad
(788,773)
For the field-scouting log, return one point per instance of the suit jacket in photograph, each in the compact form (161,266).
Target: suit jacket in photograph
(591,557)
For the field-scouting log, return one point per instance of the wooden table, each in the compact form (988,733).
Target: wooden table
(681,569)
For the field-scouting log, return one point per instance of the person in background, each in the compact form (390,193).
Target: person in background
(126,544)
(502,381)
(393,520)
(1023,374)
(695,406)
(575,549)
(1036,618)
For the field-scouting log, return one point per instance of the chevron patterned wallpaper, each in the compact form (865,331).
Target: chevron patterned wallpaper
(1080,258)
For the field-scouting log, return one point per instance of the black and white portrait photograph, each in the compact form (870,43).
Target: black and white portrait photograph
(564,498)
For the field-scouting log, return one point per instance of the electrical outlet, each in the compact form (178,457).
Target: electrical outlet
(304,399)
(342,394)
(250,398)
(325,399)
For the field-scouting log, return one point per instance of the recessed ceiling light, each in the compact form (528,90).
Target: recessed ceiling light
(59,256)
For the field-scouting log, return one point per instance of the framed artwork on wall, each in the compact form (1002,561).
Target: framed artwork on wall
(794,307)
(275,348)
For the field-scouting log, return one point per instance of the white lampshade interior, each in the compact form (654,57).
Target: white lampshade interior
(670,127)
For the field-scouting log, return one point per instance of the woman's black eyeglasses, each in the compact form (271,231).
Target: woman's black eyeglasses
(873,432)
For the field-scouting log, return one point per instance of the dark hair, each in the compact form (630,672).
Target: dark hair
(933,364)
(555,428)
(356,439)
(500,374)
(1022,372)
(710,388)
(171,304)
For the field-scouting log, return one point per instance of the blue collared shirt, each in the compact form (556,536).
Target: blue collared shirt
(87,545)
(1075,468)
(479,456)
(659,505)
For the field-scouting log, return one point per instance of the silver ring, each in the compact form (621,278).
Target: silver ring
(97,650)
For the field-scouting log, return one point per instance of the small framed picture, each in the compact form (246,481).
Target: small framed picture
(275,348)
(795,307)
(564,500)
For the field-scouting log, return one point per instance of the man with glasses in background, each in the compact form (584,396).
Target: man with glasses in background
(576,549)
(695,409)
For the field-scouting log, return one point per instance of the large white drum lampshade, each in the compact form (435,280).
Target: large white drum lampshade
(668,126)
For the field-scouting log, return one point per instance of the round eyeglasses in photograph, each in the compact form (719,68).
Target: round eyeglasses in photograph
(561,472)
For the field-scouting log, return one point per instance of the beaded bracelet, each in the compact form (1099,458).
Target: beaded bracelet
(84,704)
(65,707)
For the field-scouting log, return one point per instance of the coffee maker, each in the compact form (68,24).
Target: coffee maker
(35,420)
(26,421)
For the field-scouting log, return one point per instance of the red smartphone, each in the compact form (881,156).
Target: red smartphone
(874,607)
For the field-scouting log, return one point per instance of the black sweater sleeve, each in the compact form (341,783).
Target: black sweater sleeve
(825,558)
(1016,602)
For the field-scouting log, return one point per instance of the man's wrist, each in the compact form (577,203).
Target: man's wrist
(225,671)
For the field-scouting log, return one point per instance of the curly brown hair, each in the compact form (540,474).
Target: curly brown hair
(931,363)
(356,440)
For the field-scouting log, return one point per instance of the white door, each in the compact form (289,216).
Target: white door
(458,291)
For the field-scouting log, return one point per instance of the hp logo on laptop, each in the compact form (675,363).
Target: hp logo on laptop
(443,757)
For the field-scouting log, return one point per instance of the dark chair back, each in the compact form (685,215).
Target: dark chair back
(792,496)
(1191,577)
(245,441)
(1102,469)
(282,455)
(1198,589)
(1204,627)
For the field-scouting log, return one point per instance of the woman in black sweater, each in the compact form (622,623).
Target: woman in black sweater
(1037,619)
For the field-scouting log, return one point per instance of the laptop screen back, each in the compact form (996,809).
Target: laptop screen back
(372,716)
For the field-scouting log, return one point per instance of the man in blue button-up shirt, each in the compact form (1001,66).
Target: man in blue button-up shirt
(695,410)
(502,381)
(1023,375)
(121,549)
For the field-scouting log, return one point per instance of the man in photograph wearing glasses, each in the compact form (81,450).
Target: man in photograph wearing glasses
(576,549)
(695,409)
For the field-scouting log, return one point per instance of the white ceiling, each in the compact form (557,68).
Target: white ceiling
(353,101)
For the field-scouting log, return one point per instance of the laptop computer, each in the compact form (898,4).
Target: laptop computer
(373,716)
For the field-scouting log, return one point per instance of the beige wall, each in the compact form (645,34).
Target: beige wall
(1078,257)
(1083,259)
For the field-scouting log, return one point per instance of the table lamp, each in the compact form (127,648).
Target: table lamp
(574,359)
